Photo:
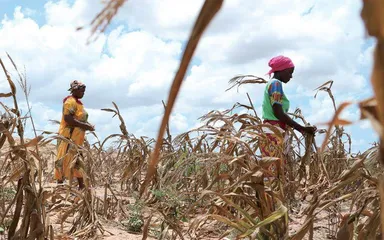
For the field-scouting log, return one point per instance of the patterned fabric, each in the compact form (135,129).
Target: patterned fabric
(66,164)
(70,96)
(76,85)
(273,146)
(274,94)
(279,63)
(279,124)
(275,91)
(274,179)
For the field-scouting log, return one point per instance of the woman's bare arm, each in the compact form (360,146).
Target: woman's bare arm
(71,121)
(283,117)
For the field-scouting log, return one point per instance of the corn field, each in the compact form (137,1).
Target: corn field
(207,183)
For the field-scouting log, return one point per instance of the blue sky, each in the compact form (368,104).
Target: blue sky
(8,7)
(134,61)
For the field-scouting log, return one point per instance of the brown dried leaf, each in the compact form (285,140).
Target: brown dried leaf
(368,109)
(372,15)
(104,18)
(37,156)
(381,194)
(11,84)
(332,123)
(282,211)
(108,110)
(15,175)
(376,80)
(6,94)
(369,106)
(324,87)
(5,131)
(228,222)
(300,234)
(208,11)
(265,162)
(33,143)
(330,83)
(146,227)
(245,79)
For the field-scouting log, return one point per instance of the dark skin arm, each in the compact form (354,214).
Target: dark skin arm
(71,121)
(283,117)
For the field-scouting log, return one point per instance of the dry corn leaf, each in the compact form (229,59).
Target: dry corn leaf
(300,234)
(328,203)
(340,185)
(228,222)
(104,18)
(146,227)
(377,79)
(381,194)
(245,79)
(32,143)
(11,84)
(276,130)
(231,203)
(208,11)
(108,110)
(369,106)
(355,166)
(6,94)
(15,175)
(36,155)
(344,232)
(324,87)
(332,123)
(6,132)
(372,15)
(282,211)
(265,162)
(376,125)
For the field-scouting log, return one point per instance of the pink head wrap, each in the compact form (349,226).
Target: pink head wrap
(279,63)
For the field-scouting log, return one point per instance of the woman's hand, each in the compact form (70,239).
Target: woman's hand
(71,121)
(283,117)
(309,129)
(89,127)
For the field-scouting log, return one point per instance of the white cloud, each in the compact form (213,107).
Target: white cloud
(134,63)
(29,12)
(366,57)
(61,13)
(365,124)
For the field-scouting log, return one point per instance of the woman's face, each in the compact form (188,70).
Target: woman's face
(286,74)
(79,92)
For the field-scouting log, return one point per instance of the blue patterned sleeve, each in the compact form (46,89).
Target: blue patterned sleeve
(276,93)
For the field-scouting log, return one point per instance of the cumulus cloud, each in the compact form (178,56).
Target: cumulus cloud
(134,62)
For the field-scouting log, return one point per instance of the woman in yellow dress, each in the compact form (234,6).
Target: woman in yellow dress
(74,123)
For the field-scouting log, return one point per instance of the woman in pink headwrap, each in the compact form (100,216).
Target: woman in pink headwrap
(275,108)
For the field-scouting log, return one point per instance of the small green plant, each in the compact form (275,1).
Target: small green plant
(159,194)
(135,221)
(7,194)
(223,168)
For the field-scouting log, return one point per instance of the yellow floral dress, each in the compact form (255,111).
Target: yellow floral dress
(66,164)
